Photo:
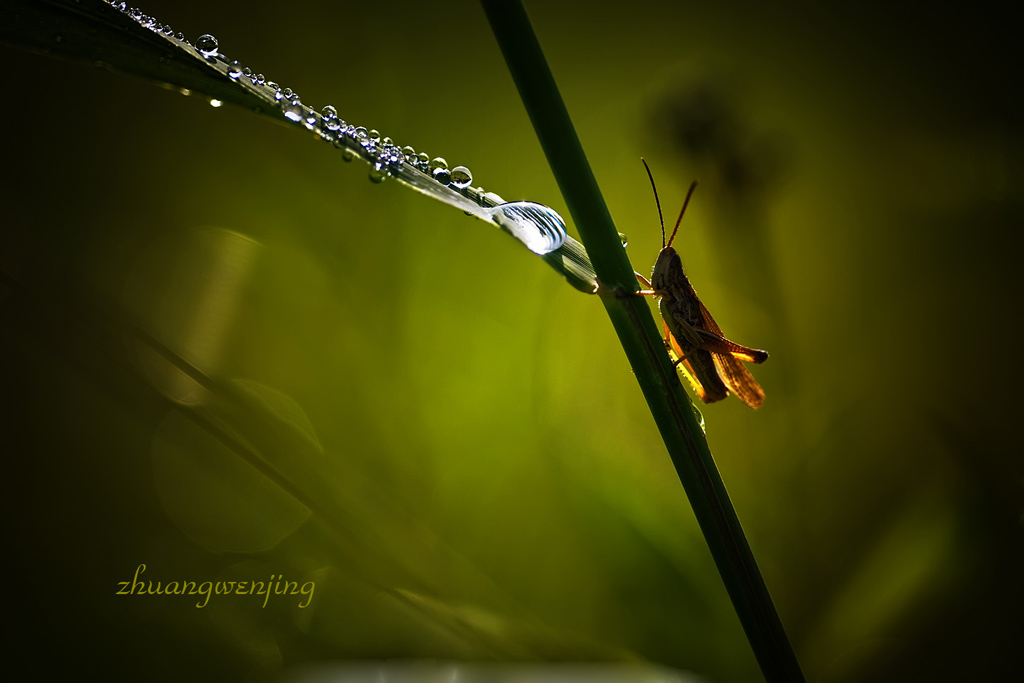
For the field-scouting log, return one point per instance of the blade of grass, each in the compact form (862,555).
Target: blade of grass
(631,317)
(124,40)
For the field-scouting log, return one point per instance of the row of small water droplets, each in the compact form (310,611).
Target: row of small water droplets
(146,20)
(540,228)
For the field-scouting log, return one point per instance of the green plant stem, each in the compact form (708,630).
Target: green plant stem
(641,340)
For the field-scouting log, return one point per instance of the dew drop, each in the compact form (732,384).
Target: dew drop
(377,173)
(442,175)
(700,419)
(287,92)
(461,177)
(247,72)
(234,71)
(207,45)
(359,133)
(409,152)
(179,36)
(329,112)
(309,119)
(623,239)
(438,162)
(260,80)
(423,159)
(292,111)
(347,154)
(373,135)
(540,228)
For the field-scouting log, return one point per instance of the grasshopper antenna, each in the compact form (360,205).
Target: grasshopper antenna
(656,201)
(693,186)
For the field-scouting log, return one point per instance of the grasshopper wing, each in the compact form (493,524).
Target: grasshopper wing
(731,368)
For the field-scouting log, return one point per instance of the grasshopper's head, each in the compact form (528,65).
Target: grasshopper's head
(667,271)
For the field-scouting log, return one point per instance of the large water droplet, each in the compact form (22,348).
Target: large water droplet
(700,419)
(207,45)
(461,177)
(234,71)
(540,228)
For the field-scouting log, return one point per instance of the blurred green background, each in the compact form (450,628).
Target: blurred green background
(460,458)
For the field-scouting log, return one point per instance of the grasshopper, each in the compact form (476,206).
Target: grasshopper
(711,362)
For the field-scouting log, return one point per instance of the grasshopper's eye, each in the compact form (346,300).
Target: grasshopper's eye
(541,229)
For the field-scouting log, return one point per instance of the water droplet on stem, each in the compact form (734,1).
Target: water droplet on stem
(207,45)
(461,177)
(540,228)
